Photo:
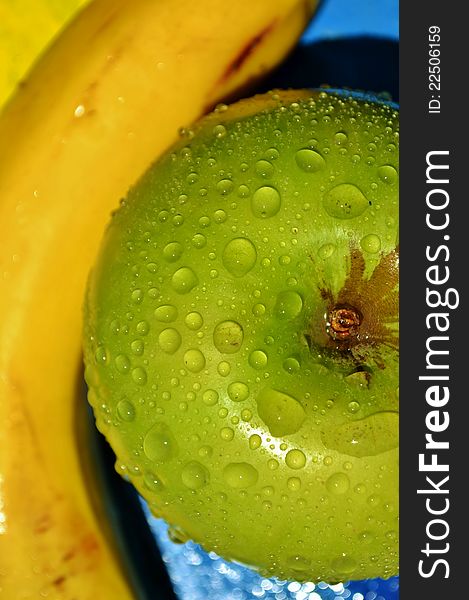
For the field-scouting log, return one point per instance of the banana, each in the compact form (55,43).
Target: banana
(26,29)
(105,100)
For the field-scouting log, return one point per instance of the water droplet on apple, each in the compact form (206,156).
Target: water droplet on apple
(258,359)
(264,169)
(366,537)
(282,413)
(359,488)
(152,267)
(294,484)
(224,368)
(345,201)
(219,131)
(204,221)
(371,243)
(221,108)
(291,365)
(166,313)
(176,534)
(228,337)
(243,191)
(101,356)
(338,484)
(139,375)
(289,304)
(387,174)
(122,363)
(199,241)
(210,397)
(194,360)
(326,250)
(265,202)
(353,406)
(298,563)
(344,564)
(358,379)
(310,161)
(192,178)
(143,327)
(159,443)
(125,410)
(370,436)
(373,500)
(238,391)
(194,475)
(194,320)
(184,280)
(114,327)
(173,251)
(268,490)
(225,187)
(205,451)
(226,434)
(246,414)
(295,459)
(340,138)
(137,296)
(240,475)
(255,441)
(137,347)
(163,216)
(152,482)
(272,154)
(258,310)
(219,216)
(239,256)
(169,340)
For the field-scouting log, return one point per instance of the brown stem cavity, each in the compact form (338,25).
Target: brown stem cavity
(358,322)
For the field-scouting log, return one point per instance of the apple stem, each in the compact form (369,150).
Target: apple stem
(343,322)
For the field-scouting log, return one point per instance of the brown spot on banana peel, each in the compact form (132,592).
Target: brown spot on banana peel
(43,524)
(49,516)
(244,54)
(228,87)
(90,94)
(59,581)
(68,555)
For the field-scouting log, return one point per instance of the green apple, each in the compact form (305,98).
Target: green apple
(241,335)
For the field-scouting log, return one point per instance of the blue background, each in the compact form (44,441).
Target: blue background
(345,18)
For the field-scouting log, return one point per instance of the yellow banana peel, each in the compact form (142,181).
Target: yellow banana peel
(26,29)
(105,100)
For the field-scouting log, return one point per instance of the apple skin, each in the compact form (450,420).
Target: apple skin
(223,361)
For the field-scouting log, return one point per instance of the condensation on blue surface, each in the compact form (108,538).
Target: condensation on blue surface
(346,18)
(198,575)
